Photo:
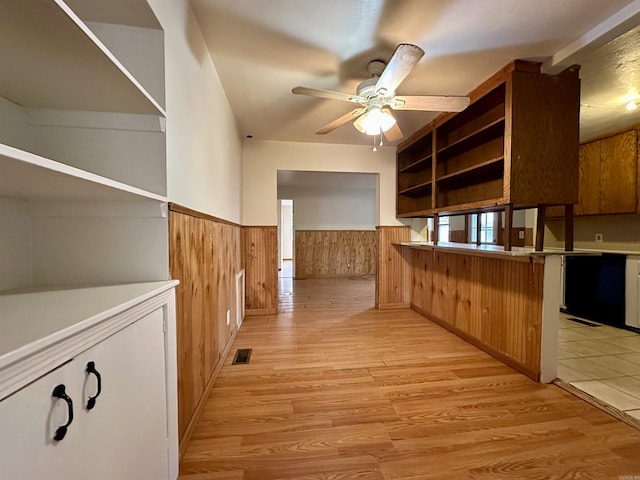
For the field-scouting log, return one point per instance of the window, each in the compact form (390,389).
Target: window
(443,229)
(488,228)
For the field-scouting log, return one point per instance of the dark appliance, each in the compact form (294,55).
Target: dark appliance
(594,287)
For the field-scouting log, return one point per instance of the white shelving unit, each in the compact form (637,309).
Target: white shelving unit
(83,220)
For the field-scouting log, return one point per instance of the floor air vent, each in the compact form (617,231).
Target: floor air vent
(242,356)
(584,322)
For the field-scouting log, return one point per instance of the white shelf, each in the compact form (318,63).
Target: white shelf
(42,329)
(32,177)
(51,59)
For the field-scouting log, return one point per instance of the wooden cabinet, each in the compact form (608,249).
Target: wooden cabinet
(103,442)
(516,144)
(608,176)
(618,173)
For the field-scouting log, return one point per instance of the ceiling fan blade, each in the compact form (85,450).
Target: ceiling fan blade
(318,92)
(402,62)
(430,103)
(353,114)
(394,134)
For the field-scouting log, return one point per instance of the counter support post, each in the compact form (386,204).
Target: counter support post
(568,228)
(540,228)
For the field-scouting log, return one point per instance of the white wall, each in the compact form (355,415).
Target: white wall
(262,160)
(15,244)
(204,148)
(332,208)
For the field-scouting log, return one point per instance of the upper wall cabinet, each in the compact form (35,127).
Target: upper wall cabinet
(608,177)
(516,144)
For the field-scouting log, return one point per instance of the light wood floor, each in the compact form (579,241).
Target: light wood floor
(338,390)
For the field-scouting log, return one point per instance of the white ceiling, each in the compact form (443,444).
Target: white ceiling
(262,49)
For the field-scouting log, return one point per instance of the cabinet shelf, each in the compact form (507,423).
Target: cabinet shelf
(62,64)
(28,176)
(417,165)
(479,169)
(482,135)
(416,190)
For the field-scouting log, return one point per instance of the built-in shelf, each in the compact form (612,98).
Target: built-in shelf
(477,169)
(487,132)
(28,176)
(481,165)
(416,190)
(417,165)
(61,64)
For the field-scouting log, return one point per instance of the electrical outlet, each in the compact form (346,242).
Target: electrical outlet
(228,317)
(599,237)
(521,234)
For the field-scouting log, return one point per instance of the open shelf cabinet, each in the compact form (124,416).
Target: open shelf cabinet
(515,146)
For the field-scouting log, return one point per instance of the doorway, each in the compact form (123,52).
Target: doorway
(286,237)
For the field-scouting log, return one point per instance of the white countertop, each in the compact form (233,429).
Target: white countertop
(33,317)
(493,250)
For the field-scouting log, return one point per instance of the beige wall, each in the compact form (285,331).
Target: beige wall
(204,148)
(262,160)
(620,232)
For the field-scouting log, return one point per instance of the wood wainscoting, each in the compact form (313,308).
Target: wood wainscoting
(393,279)
(493,303)
(260,257)
(205,257)
(332,253)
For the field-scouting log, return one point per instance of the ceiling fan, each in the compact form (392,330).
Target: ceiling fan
(375,94)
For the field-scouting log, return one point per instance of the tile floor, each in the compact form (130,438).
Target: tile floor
(602,361)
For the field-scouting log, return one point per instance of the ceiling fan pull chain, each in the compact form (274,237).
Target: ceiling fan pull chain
(374,144)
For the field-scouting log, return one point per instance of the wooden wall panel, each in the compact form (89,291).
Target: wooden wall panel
(494,303)
(330,253)
(205,257)
(393,279)
(260,247)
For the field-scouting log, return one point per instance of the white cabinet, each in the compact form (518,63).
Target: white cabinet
(632,292)
(83,178)
(104,442)
(130,431)
(84,260)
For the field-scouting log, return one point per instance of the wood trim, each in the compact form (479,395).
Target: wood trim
(522,368)
(260,253)
(393,277)
(174,207)
(184,440)
(260,311)
(394,306)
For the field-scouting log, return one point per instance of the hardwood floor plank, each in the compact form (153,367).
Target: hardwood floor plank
(336,389)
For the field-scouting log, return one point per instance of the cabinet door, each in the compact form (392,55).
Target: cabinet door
(127,428)
(618,173)
(589,180)
(123,437)
(28,422)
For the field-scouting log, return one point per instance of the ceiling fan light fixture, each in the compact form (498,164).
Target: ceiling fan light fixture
(374,121)
(632,105)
